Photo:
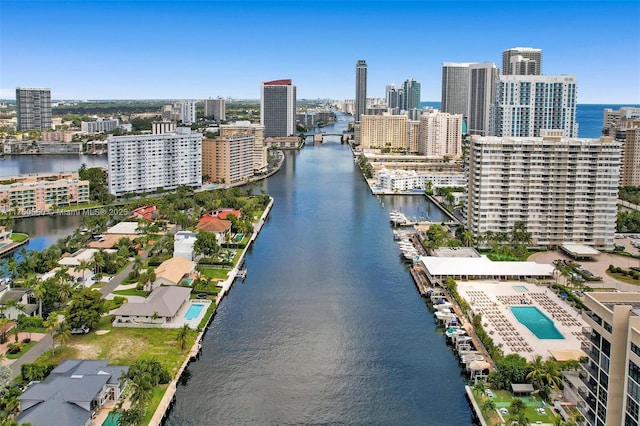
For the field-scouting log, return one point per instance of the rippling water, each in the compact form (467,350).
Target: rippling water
(328,326)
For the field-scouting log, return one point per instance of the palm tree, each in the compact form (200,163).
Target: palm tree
(62,333)
(84,265)
(39,292)
(537,371)
(488,406)
(479,387)
(181,338)
(50,324)
(517,410)
(467,238)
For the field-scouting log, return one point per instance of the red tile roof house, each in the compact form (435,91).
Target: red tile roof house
(215,221)
(145,212)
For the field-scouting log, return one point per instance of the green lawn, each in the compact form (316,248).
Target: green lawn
(158,393)
(210,310)
(624,278)
(503,398)
(17,237)
(214,273)
(23,349)
(131,292)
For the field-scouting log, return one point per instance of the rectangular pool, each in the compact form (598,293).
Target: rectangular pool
(193,311)
(520,288)
(537,322)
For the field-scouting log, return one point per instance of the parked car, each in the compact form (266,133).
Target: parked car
(80,330)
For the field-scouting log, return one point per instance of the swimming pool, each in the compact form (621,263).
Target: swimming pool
(112,419)
(520,288)
(537,322)
(238,237)
(193,311)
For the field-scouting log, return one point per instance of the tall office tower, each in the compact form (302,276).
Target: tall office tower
(361,89)
(144,163)
(526,104)
(391,98)
(482,78)
(259,148)
(228,159)
(384,131)
(215,109)
(411,98)
(33,107)
(278,108)
(609,386)
(455,88)
(563,189)
(522,61)
(440,135)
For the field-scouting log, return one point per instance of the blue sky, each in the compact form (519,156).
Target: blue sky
(87,49)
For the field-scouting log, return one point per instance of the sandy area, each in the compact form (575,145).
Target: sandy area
(101,332)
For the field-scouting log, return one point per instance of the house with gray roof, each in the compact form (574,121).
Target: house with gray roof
(72,394)
(16,301)
(163,308)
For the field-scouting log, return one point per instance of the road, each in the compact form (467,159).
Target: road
(31,356)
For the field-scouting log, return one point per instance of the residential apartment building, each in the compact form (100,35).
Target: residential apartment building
(413,138)
(278,108)
(392,96)
(406,180)
(100,125)
(525,104)
(440,135)
(614,119)
(510,180)
(58,136)
(482,79)
(215,109)
(42,191)
(361,90)
(455,88)
(624,125)
(228,159)
(260,149)
(184,111)
(160,127)
(383,131)
(610,389)
(522,61)
(30,147)
(144,163)
(33,108)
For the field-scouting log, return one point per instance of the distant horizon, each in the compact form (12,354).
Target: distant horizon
(199,49)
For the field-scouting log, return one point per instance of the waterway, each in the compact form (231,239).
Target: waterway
(46,163)
(328,327)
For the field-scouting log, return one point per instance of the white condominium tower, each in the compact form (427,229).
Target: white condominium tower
(526,104)
(522,61)
(564,189)
(33,108)
(144,163)
(455,88)
(440,135)
(361,89)
(278,108)
(482,79)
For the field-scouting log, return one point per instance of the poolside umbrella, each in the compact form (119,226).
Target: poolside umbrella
(479,365)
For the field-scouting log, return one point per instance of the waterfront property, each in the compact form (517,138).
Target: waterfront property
(42,191)
(72,394)
(165,307)
(173,271)
(537,322)
(16,301)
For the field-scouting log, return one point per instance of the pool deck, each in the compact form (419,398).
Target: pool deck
(493,301)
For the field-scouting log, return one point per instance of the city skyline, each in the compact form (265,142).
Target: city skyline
(229,54)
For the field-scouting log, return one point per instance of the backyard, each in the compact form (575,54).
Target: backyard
(536,409)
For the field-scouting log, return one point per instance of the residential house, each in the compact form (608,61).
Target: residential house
(16,301)
(72,394)
(145,212)
(172,271)
(216,221)
(163,308)
(183,242)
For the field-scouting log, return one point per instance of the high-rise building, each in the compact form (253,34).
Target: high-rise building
(33,108)
(522,61)
(278,108)
(99,125)
(384,131)
(526,104)
(624,125)
(455,88)
(411,98)
(259,148)
(144,163)
(574,201)
(609,393)
(188,112)
(228,159)
(391,96)
(614,119)
(482,77)
(440,135)
(215,109)
(361,89)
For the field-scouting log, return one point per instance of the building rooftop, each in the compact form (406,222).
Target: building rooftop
(124,228)
(483,267)
(174,269)
(163,301)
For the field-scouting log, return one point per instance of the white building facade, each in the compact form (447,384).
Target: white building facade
(144,163)
(565,190)
(526,104)
(440,135)
(406,180)
(100,125)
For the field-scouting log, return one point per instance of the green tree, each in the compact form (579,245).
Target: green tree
(51,323)
(62,332)
(509,369)
(206,244)
(86,308)
(183,335)
(517,410)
